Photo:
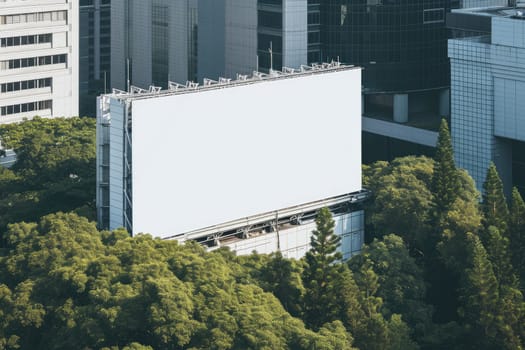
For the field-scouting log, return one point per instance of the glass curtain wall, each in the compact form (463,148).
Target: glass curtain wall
(314,31)
(94,52)
(193,30)
(270,34)
(160,42)
(401,43)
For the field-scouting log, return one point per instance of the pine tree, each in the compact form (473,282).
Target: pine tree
(498,252)
(320,304)
(445,181)
(494,203)
(517,233)
(479,297)
(324,242)
(445,187)
(511,320)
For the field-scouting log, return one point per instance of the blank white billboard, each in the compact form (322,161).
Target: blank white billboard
(213,156)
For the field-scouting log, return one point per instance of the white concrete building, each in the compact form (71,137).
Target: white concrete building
(38,59)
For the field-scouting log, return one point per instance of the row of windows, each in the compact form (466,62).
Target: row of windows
(92,3)
(434,15)
(26,40)
(26,107)
(32,61)
(27,84)
(49,16)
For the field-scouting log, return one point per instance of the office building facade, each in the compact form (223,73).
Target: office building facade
(155,41)
(38,59)
(152,42)
(94,53)
(282,33)
(488,97)
(227,38)
(402,47)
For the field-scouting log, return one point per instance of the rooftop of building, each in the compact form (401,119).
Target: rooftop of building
(174,88)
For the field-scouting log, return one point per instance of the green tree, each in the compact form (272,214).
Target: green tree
(375,331)
(338,338)
(349,307)
(517,233)
(497,248)
(494,204)
(445,181)
(282,277)
(55,169)
(493,317)
(399,335)
(320,273)
(401,199)
(66,285)
(479,298)
(401,285)
(446,188)
(511,319)
(448,261)
(331,293)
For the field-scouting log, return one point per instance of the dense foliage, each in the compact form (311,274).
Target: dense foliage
(55,170)
(67,286)
(442,270)
(468,254)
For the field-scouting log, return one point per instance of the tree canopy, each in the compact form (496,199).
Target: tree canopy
(67,285)
(441,270)
(54,171)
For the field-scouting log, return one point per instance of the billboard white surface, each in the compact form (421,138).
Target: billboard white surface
(205,158)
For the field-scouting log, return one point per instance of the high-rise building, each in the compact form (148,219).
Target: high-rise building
(156,41)
(488,94)
(282,33)
(402,47)
(38,59)
(94,53)
(153,42)
(227,38)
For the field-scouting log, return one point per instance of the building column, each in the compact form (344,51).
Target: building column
(444,103)
(401,108)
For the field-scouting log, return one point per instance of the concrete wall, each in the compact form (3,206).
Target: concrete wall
(65,87)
